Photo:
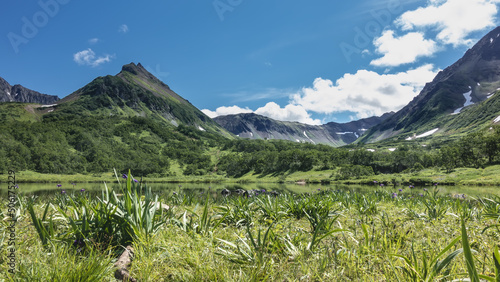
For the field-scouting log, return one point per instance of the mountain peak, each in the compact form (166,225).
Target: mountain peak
(471,80)
(136,70)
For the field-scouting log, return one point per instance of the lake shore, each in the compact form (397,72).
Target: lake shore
(489,176)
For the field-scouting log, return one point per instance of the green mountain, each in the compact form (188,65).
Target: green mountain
(134,92)
(253,126)
(130,120)
(459,100)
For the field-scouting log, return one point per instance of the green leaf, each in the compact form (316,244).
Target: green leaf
(471,268)
(496,258)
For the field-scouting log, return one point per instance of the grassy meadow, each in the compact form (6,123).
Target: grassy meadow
(416,234)
(460,176)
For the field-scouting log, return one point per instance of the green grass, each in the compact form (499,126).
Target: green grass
(328,235)
(461,176)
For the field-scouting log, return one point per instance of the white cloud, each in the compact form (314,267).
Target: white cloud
(365,93)
(93,40)
(288,113)
(454,20)
(123,28)
(402,50)
(224,111)
(89,58)
(271,110)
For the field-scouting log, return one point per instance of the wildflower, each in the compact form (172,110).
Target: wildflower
(73,184)
(63,191)
(463,196)
(375,181)
(421,195)
(436,184)
(263,191)
(425,190)
(59,185)
(394,195)
(400,190)
(124,176)
(175,193)
(319,189)
(136,181)
(411,187)
(82,190)
(381,184)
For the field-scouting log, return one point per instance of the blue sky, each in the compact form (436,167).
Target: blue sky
(309,61)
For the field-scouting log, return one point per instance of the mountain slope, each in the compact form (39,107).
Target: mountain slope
(134,92)
(472,79)
(18,93)
(255,126)
(127,121)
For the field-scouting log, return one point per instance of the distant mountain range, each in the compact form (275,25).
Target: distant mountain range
(255,126)
(18,93)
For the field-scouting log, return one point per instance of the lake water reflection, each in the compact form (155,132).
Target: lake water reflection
(50,188)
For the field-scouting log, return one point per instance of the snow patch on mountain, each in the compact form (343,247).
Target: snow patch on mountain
(48,106)
(468,102)
(428,133)
(312,141)
(344,133)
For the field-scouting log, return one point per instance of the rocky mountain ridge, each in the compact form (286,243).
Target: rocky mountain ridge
(19,93)
(253,126)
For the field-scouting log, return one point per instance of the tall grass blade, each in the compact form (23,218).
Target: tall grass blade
(471,268)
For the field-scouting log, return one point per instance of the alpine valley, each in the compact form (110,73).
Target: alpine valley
(134,121)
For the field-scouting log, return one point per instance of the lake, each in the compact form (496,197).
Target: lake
(50,188)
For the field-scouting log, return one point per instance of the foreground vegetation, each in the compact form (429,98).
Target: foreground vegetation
(412,234)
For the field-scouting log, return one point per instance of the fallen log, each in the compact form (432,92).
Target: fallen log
(122,265)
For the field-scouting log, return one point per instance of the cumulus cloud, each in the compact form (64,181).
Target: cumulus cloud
(123,28)
(89,58)
(288,113)
(454,20)
(93,40)
(224,111)
(402,50)
(365,93)
(271,110)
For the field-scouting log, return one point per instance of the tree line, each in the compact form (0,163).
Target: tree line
(94,144)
